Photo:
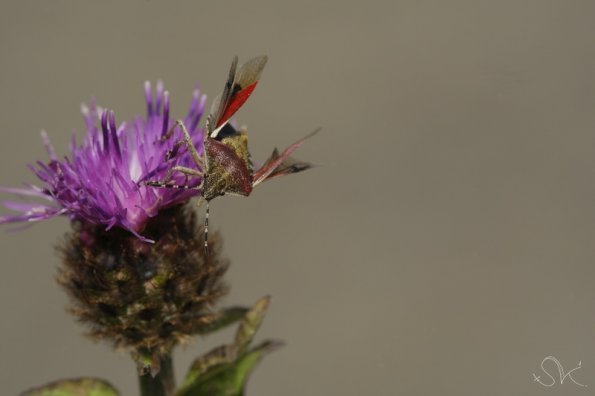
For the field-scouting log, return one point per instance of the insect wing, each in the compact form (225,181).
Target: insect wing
(222,100)
(281,164)
(288,166)
(237,90)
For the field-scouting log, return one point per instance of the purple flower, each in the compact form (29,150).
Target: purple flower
(100,182)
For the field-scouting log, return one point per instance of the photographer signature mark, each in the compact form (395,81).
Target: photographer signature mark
(563,374)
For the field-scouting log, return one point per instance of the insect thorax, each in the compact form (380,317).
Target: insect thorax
(229,170)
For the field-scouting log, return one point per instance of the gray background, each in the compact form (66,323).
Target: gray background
(443,246)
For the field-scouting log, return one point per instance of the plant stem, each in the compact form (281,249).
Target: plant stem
(163,384)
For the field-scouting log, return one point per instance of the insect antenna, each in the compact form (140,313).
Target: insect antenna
(207,230)
(170,186)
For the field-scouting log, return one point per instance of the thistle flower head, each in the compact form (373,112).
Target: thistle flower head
(144,298)
(101,181)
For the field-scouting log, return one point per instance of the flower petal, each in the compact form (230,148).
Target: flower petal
(99,182)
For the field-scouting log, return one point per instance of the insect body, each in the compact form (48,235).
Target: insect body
(228,165)
(225,167)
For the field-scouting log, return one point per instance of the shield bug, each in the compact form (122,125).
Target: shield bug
(225,166)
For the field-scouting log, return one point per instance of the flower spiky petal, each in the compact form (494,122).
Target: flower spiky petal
(101,182)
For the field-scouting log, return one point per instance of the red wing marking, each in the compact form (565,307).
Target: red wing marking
(235,102)
(237,90)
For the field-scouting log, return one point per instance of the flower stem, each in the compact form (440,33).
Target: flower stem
(163,384)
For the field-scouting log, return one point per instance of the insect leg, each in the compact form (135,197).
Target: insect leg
(185,141)
(169,133)
(182,169)
(188,140)
(174,150)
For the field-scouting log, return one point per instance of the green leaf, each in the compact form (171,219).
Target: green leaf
(227,317)
(74,387)
(228,379)
(251,323)
(234,379)
(203,364)
(226,369)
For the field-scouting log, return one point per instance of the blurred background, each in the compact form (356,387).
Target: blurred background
(444,244)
